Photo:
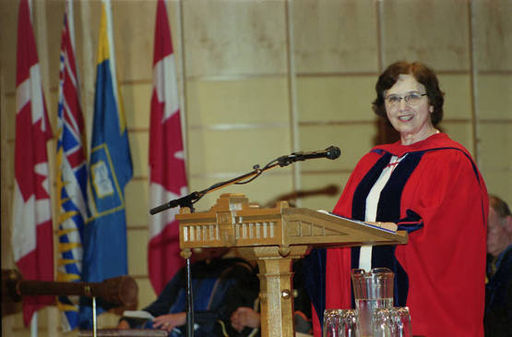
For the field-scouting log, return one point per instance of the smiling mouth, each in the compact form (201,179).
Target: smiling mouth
(405,118)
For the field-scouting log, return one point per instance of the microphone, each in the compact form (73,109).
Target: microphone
(332,152)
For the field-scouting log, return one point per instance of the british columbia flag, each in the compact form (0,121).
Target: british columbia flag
(71,174)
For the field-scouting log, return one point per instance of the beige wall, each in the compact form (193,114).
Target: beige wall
(266,78)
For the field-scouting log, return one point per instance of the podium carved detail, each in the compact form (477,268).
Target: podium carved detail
(273,237)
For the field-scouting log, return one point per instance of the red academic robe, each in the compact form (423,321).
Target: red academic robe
(445,259)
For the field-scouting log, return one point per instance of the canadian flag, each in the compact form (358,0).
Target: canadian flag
(166,161)
(32,237)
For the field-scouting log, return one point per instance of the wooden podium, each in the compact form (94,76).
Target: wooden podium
(273,237)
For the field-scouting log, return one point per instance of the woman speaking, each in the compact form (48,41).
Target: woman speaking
(430,186)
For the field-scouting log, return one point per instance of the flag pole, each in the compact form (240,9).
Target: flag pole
(33,325)
(33,322)
(94,323)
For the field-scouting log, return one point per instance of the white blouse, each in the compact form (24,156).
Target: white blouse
(372,202)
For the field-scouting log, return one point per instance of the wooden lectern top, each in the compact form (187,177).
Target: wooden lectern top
(273,237)
(234,222)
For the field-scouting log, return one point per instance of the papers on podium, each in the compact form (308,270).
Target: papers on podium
(386,226)
(139,314)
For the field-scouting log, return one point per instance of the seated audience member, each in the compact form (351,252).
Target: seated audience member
(249,318)
(220,285)
(498,306)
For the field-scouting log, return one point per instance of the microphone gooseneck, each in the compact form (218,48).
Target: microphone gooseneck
(332,152)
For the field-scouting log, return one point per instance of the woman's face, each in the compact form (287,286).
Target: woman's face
(411,119)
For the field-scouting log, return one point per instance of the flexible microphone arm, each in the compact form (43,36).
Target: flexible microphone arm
(192,198)
(332,152)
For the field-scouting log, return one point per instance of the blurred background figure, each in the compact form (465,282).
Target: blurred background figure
(220,284)
(498,310)
(246,318)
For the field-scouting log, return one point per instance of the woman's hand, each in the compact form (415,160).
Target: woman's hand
(170,321)
(245,317)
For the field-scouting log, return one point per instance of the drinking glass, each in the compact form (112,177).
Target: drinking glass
(382,323)
(392,322)
(331,323)
(340,323)
(403,322)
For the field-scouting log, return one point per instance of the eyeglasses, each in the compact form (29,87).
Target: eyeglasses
(411,99)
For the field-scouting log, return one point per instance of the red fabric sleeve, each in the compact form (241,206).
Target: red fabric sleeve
(445,261)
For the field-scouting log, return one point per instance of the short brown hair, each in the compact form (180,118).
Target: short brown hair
(422,74)
(499,206)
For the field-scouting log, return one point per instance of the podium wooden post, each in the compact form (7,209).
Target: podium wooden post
(273,237)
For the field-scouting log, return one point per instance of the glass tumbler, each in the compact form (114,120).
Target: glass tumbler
(392,322)
(340,323)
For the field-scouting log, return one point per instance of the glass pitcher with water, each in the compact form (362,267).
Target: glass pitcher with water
(372,290)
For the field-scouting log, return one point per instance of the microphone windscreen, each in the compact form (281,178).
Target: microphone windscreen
(333,152)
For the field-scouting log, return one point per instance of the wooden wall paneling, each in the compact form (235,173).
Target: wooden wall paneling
(336,98)
(43,40)
(457,99)
(496,146)
(53,10)
(54,319)
(494,92)
(434,32)
(19,329)
(137,239)
(137,104)
(496,162)
(354,140)
(262,190)
(17,326)
(7,201)
(8,38)
(8,123)
(134,31)
(335,36)
(314,181)
(292,90)
(461,131)
(139,144)
(7,324)
(237,101)
(235,150)
(137,202)
(87,20)
(498,182)
(8,111)
(176,22)
(493,88)
(146,293)
(493,30)
(214,47)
